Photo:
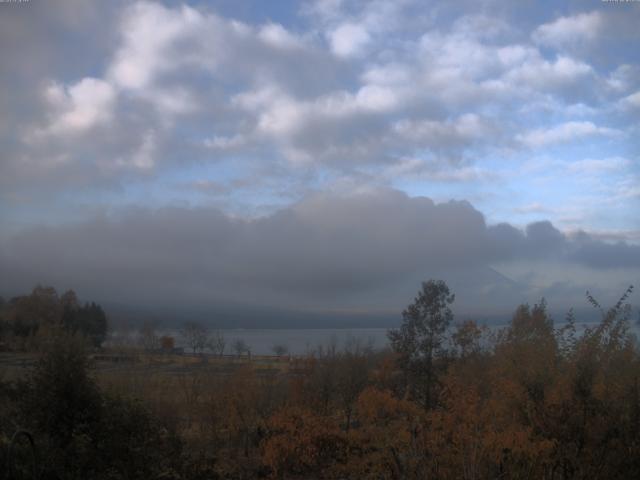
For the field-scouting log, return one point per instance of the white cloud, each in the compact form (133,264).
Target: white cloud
(281,114)
(161,47)
(219,142)
(541,74)
(277,36)
(437,171)
(565,132)
(148,30)
(143,158)
(349,39)
(350,89)
(632,100)
(624,78)
(464,129)
(377,98)
(77,108)
(591,166)
(170,101)
(569,31)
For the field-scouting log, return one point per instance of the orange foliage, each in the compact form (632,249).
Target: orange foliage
(301,442)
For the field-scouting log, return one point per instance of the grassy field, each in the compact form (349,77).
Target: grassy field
(17,363)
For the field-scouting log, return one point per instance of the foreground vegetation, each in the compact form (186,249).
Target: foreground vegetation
(448,401)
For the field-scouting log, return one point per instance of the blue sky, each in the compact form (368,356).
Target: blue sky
(529,111)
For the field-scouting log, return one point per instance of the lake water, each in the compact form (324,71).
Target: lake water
(303,341)
(296,341)
(299,342)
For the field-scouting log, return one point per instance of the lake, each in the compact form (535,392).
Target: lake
(303,341)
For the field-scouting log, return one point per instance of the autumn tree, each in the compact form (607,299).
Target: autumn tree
(27,313)
(351,372)
(420,341)
(467,338)
(527,351)
(241,400)
(596,407)
(43,310)
(302,444)
(167,343)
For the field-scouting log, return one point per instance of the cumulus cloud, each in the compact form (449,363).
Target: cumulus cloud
(563,133)
(364,84)
(632,100)
(78,107)
(348,39)
(570,30)
(149,30)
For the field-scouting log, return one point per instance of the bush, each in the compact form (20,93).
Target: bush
(84,433)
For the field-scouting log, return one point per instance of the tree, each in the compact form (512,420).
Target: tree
(4,324)
(419,341)
(302,444)
(217,343)
(89,320)
(69,299)
(240,346)
(148,337)
(195,335)
(83,432)
(30,312)
(467,338)
(97,325)
(279,350)
(351,378)
(167,343)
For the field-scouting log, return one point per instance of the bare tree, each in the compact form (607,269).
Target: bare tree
(195,336)
(280,350)
(217,343)
(148,336)
(240,347)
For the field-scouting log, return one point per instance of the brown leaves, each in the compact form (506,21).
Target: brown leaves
(301,442)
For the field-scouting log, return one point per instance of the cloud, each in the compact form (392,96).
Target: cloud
(593,166)
(565,132)
(632,100)
(539,74)
(77,108)
(597,254)
(276,35)
(149,32)
(572,30)
(367,249)
(105,102)
(238,88)
(348,39)
(534,207)
(462,131)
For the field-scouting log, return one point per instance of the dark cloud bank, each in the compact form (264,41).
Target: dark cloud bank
(329,257)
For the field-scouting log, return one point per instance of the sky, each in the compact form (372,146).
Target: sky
(320,157)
